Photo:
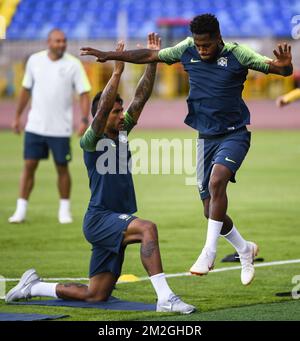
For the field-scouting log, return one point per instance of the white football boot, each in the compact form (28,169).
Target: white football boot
(247,260)
(204,263)
(174,305)
(23,288)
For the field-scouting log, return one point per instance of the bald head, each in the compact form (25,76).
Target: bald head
(57,43)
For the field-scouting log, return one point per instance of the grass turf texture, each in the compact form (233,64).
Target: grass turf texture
(264,204)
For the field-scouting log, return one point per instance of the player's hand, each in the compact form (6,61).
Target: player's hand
(119,65)
(280,102)
(283,56)
(16,126)
(154,41)
(88,51)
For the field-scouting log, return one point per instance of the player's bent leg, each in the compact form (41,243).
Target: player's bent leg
(26,186)
(30,285)
(64,188)
(99,289)
(145,232)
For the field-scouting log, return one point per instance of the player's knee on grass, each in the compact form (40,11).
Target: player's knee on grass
(101,287)
(102,297)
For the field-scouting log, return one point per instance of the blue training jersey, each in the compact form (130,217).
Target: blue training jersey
(215,104)
(109,172)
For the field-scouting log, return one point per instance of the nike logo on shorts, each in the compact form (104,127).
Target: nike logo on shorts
(229,160)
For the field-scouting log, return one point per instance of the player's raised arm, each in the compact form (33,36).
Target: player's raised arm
(254,61)
(145,86)
(167,55)
(282,65)
(140,56)
(95,131)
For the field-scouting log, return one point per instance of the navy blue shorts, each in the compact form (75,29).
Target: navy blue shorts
(105,231)
(229,150)
(36,147)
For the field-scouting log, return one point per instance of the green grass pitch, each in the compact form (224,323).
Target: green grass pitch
(264,204)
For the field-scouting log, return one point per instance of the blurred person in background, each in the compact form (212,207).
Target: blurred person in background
(217,72)
(288,98)
(50,78)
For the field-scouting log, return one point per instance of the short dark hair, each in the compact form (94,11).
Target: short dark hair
(96,100)
(205,23)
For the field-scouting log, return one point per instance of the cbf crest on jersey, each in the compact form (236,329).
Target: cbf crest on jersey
(123,137)
(222,61)
(124,216)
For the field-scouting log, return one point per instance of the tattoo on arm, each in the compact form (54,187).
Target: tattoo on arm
(142,92)
(148,249)
(106,104)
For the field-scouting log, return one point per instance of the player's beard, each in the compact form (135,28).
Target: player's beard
(59,52)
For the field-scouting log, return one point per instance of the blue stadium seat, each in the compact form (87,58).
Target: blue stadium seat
(93,19)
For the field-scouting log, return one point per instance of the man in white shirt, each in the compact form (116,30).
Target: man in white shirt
(50,78)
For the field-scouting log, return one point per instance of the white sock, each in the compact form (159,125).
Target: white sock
(64,205)
(44,289)
(21,207)
(213,232)
(161,286)
(236,240)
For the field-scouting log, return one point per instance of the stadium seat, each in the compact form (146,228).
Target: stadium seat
(96,19)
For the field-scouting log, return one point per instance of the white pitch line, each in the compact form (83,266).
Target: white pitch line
(231,268)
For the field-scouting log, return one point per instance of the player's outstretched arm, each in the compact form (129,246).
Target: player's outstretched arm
(140,56)
(145,86)
(282,65)
(89,140)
